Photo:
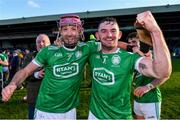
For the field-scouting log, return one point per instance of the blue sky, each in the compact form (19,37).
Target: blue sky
(27,8)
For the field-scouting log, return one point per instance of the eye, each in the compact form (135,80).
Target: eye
(64,29)
(113,30)
(74,28)
(103,31)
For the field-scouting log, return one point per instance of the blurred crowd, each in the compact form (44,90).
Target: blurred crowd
(14,60)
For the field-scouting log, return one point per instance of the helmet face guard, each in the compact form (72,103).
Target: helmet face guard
(72,19)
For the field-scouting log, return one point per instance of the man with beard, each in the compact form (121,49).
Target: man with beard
(64,67)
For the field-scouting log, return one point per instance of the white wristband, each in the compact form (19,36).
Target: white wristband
(36,75)
(150,86)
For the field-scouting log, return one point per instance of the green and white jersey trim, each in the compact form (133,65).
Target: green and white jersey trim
(137,63)
(37,63)
(72,49)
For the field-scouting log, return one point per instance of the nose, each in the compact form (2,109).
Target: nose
(41,43)
(69,32)
(109,34)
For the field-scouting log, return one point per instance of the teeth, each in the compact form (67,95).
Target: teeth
(109,39)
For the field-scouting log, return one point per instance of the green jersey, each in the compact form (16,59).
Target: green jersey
(152,96)
(111,85)
(3,58)
(59,91)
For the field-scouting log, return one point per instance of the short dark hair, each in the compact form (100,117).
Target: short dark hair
(132,35)
(108,19)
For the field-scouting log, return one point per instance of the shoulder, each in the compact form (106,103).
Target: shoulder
(52,47)
(49,48)
(88,43)
(2,56)
(126,52)
(81,44)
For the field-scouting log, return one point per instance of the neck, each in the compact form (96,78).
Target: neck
(69,48)
(109,50)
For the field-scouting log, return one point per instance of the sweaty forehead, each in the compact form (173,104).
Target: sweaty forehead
(108,24)
(69,25)
(42,39)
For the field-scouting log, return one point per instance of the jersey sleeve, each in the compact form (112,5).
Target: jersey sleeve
(2,57)
(41,57)
(136,59)
(94,46)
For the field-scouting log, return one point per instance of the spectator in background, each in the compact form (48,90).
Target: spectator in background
(3,62)
(14,64)
(34,81)
(6,67)
(92,37)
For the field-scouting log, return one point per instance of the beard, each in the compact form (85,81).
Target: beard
(70,41)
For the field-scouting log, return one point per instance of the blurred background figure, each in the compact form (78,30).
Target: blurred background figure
(6,53)
(14,64)
(3,62)
(92,37)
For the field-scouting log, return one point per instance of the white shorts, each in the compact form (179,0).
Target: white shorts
(40,115)
(91,116)
(148,110)
(5,69)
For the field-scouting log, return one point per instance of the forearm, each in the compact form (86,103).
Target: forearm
(141,90)
(161,62)
(158,82)
(4,63)
(19,77)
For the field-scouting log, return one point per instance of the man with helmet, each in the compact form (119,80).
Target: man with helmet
(59,92)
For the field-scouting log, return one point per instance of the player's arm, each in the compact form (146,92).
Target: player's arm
(141,90)
(160,67)
(18,78)
(124,45)
(5,62)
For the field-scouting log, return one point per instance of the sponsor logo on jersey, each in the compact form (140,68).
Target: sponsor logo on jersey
(66,70)
(103,76)
(58,55)
(116,59)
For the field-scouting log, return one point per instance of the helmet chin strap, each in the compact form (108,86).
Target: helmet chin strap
(71,46)
(68,45)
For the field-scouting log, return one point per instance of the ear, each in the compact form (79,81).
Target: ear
(97,36)
(59,31)
(81,31)
(120,35)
